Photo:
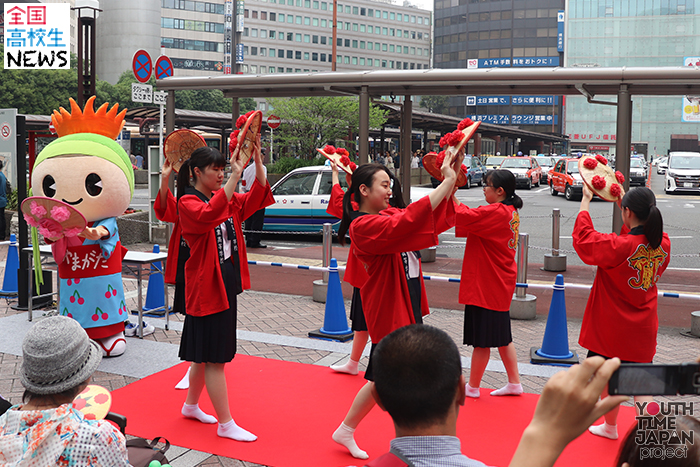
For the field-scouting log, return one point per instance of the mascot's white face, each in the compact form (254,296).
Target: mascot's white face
(92,185)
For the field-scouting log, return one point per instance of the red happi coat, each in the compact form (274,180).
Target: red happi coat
(621,314)
(169,214)
(488,270)
(355,273)
(379,240)
(206,294)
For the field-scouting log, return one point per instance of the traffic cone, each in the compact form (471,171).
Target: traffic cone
(335,323)
(9,283)
(555,345)
(155,294)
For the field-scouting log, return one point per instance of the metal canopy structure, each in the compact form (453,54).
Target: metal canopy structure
(481,81)
(590,82)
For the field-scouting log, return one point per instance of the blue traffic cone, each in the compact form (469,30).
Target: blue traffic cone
(335,323)
(9,283)
(155,294)
(555,345)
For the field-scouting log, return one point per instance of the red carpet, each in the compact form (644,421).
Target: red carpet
(294,408)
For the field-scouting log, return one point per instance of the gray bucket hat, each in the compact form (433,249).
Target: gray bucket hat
(58,355)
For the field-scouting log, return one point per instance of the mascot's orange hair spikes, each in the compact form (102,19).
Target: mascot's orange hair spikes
(102,122)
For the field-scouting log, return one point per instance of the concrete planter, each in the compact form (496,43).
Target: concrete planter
(133,228)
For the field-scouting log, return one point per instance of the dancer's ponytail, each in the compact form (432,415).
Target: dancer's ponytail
(642,202)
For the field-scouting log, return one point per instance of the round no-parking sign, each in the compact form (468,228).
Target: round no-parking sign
(5,131)
(142,66)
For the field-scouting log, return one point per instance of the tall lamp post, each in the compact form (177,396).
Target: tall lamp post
(87,16)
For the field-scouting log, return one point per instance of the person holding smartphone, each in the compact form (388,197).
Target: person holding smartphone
(621,319)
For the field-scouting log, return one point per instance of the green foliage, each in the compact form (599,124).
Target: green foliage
(311,122)
(435,104)
(12,201)
(287,164)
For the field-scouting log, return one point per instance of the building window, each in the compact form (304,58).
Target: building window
(385,15)
(307,3)
(263,51)
(314,22)
(347,26)
(323,40)
(290,54)
(273,16)
(370,45)
(323,57)
(307,20)
(272,34)
(324,6)
(363,11)
(253,32)
(290,19)
(297,37)
(346,59)
(354,44)
(370,29)
(324,23)
(385,31)
(314,56)
(254,14)
(281,17)
(362,61)
(362,44)
(314,4)
(253,51)
(347,9)
(273,53)
(246,13)
(392,16)
(245,32)
(392,32)
(355,27)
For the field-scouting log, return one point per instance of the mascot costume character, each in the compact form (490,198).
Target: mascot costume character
(87,171)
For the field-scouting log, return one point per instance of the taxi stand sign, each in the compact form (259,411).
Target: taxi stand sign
(142,93)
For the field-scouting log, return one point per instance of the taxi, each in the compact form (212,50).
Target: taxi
(493,162)
(526,170)
(565,178)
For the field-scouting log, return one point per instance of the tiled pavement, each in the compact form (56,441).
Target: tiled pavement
(275,326)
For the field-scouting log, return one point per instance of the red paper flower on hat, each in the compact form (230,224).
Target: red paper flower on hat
(601,159)
(620,178)
(345,160)
(247,115)
(590,163)
(342,152)
(464,169)
(241,121)
(464,123)
(455,137)
(443,141)
(328,149)
(598,182)
(615,190)
(353,166)
(440,159)
(233,142)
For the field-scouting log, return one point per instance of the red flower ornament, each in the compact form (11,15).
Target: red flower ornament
(590,163)
(620,178)
(598,182)
(464,123)
(328,149)
(615,190)
(601,159)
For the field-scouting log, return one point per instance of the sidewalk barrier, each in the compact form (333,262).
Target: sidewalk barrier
(320,287)
(523,305)
(555,344)
(555,262)
(335,323)
(9,283)
(155,294)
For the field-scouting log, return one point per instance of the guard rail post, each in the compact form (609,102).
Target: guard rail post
(555,262)
(523,305)
(320,287)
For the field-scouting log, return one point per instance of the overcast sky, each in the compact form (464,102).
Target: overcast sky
(424,4)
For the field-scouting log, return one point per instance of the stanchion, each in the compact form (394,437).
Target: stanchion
(320,287)
(555,344)
(555,262)
(335,323)
(155,294)
(9,283)
(523,305)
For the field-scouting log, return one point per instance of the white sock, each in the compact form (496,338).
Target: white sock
(184,382)
(346,436)
(604,430)
(509,389)
(193,411)
(233,431)
(350,367)
(472,392)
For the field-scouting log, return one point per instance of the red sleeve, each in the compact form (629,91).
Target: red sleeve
(595,248)
(409,230)
(169,214)
(197,217)
(335,203)
(257,198)
(476,221)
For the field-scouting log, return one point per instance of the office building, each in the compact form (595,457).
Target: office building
(632,33)
(505,33)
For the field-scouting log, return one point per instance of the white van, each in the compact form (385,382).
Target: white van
(683,173)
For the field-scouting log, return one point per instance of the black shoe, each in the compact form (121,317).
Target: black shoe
(259,245)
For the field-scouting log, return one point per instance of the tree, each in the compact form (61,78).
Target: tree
(312,122)
(434,104)
(37,92)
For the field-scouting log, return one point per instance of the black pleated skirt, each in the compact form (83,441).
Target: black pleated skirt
(212,338)
(357,316)
(486,328)
(179,298)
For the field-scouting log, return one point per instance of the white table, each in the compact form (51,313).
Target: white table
(133,265)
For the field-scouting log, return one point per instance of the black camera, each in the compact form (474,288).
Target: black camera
(647,379)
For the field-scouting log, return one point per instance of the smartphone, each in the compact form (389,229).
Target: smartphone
(647,379)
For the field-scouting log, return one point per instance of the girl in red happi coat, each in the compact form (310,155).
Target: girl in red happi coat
(621,314)
(488,278)
(385,241)
(216,272)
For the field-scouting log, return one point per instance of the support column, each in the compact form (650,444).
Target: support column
(425,141)
(382,135)
(235,112)
(405,150)
(477,144)
(364,125)
(497,139)
(622,151)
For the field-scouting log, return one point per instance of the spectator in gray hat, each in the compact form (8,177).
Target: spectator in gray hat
(58,361)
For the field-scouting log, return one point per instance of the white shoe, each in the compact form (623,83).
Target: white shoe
(131,329)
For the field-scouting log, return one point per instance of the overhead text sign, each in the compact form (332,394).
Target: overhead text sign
(37,36)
